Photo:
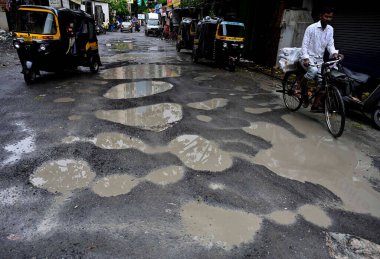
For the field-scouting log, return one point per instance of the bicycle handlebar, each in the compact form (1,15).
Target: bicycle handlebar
(328,63)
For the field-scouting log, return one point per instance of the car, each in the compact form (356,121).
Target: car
(126,26)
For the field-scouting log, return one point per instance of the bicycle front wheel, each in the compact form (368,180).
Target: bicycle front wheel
(291,100)
(334,112)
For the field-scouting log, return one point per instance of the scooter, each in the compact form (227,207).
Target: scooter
(365,87)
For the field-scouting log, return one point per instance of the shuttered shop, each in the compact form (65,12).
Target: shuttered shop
(357,36)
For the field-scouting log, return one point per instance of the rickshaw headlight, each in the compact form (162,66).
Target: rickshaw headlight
(225,45)
(16,44)
(43,47)
(242,46)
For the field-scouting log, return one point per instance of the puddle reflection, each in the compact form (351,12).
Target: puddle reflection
(156,117)
(147,71)
(137,89)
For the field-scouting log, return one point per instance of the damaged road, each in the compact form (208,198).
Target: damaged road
(158,157)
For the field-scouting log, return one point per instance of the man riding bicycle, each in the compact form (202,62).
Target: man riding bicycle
(318,37)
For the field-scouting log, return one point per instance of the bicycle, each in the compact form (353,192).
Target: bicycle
(333,103)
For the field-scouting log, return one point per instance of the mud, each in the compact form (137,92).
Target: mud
(146,71)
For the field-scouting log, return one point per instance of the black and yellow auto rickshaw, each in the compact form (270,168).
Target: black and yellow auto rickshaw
(48,39)
(219,40)
(186,33)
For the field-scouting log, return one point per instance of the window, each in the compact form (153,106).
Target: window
(35,22)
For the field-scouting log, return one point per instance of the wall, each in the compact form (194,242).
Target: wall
(3,21)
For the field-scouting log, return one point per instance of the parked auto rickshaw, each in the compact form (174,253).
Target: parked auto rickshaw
(186,34)
(219,40)
(48,39)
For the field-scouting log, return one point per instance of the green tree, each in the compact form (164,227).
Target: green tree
(120,6)
(193,3)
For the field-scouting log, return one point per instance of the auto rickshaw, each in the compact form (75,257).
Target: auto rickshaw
(48,39)
(220,41)
(186,34)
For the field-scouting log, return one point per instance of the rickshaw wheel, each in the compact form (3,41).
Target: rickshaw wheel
(94,66)
(30,77)
(376,117)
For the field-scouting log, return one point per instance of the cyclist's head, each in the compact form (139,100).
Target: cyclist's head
(326,15)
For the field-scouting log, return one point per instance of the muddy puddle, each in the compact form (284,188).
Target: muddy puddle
(209,104)
(137,89)
(164,176)
(64,100)
(315,215)
(283,217)
(120,184)
(257,110)
(215,226)
(120,45)
(204,118)
(156,117)
(114,185)
(194,151)
(146,71)
(247,97)
(75,117)
(318,158)
(62,175)
(200,154)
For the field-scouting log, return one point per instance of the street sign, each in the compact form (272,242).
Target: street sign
(55,3)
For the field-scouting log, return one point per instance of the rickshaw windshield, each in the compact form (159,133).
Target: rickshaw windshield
(35,22)
(232,30)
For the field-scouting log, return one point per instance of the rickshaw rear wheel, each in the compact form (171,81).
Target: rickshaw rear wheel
(376,117)
(30,76)
(94,66)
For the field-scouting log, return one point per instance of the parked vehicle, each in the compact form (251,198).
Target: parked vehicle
(186,34)
(100,29)
(153,24)
(48,39)
(126,27)
(360,92)
(220,41)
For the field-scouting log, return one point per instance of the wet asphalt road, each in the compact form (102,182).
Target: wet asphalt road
(156,157)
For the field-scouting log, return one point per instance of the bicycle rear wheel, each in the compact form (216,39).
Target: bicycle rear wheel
(334,112)
(292,102)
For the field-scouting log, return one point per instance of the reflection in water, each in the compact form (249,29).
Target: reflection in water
(200,154)
(319,159)
(194,151)
(114,185)
(214,226)
(137,89)
(209,104)
(156,117)
(146,71)
(315,215)
(62,175)
(125,45)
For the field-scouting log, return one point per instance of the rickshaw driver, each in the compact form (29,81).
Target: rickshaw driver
(318,37)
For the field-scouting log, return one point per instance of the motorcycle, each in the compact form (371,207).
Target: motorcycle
(99,29)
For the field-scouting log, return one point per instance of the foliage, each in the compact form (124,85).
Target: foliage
(193,3)
(120,6)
